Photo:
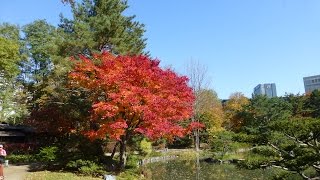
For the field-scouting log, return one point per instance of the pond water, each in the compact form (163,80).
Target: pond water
(189,170)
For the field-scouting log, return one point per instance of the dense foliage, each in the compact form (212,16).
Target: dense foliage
(284,131)
(112,91)
(132,94)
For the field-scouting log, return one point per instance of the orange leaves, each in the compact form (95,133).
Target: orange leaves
(104,110)
(113,129)
(193,126)
(147,99)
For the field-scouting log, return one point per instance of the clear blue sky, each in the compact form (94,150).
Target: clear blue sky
(242,42)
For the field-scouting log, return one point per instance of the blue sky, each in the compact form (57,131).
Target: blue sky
(241,42)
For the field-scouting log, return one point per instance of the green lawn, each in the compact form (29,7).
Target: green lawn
(47,175)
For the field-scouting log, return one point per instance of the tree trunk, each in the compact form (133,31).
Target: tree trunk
(196,137)
(198,167)
(114,149)
(196,140)
(123,155)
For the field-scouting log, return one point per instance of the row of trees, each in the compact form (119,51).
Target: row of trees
(111,89)
(36,86)
(284,132)
(36,56)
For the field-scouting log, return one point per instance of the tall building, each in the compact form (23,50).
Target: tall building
(311,83)
(265,89)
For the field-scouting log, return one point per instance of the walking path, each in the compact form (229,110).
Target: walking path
(15,172)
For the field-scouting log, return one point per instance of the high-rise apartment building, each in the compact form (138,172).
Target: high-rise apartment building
(311,83)
(265,89)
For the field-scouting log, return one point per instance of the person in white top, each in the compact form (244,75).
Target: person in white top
(3,154)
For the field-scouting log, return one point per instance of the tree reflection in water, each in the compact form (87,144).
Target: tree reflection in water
(198,170)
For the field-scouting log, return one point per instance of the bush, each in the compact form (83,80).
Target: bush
(48,154)
(145,147)
(242,137)
(132,161)
(265,151)
(222,142)
(21,158)
(86,167)
(254,161)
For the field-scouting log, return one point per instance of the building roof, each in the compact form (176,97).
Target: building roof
(7,130)
(11,133)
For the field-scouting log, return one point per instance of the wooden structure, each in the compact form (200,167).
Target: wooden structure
(15,134)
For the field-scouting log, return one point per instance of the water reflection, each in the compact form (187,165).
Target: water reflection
(197,170)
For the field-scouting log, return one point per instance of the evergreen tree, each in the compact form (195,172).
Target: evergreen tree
(95,27)
(313,104)
(99,25)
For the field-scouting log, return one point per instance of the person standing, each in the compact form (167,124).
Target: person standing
(3,154)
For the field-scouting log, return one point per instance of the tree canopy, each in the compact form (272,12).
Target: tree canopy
(100,25)
(132,94)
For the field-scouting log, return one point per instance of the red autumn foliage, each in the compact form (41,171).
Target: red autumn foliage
(132,94)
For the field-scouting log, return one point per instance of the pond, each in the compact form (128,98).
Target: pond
(188,170)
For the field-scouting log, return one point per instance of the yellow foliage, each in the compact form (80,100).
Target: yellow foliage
(234,105)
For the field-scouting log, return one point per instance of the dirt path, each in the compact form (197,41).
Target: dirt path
(15,172)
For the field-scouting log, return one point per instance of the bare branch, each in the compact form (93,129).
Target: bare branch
(280,167)
(316,167)
(299,141)
(303,175)
(279,150)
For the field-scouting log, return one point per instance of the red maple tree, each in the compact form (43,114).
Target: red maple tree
(131,95)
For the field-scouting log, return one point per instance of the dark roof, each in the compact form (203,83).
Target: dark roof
(11,133)
(24,129)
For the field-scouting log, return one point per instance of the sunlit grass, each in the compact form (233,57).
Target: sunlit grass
(47,175)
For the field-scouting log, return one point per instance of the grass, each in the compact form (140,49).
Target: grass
(132,174)
(48,175)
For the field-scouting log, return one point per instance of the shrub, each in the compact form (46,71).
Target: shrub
(254,161)
(132,161)
(48,154)
(265,151)
(145,147)
(21,158)
(86,167)
(222,142)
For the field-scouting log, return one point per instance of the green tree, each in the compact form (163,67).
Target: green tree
(298,104)
(12,96)
(9,50)
(40,38)
(296,142)
(100,25)
(260,112)
(44,73)
(96,26)
(313,104)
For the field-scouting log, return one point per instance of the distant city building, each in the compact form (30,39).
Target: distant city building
(311,83)
(265,89)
